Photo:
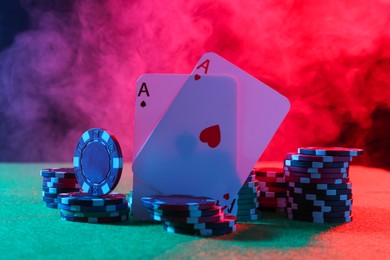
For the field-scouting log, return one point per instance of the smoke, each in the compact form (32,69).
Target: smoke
(76,64)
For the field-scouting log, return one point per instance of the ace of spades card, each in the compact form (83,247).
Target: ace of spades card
(192,150)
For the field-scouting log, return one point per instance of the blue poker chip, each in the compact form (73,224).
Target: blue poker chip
(98,162)
(52,205)
(227,222)
(94,219)
(58,173)
(84,199)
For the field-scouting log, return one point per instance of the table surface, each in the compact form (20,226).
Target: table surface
(29,229)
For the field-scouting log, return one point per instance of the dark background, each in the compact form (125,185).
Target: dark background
(66,66)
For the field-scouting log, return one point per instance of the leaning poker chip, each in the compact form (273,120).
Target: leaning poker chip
(333,203)
(316,181)
(316,164)
(330,151)
(320,220)
(188,220)
(95,214)
(308,196)
(178,202)
(84,199)
(58,173)
(95,220)
(108,208)
(315,170)
(318,158)
(319,192)
(317,175)
(321,186)
(216,210)
(199,232)
(319,214)
(98,162)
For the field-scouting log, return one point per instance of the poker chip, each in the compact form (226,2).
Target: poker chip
(330,151)
(251,217)
(61,185)
(245,190)
(60,180)
(108,208)
(315,170)
(228,221)
(271,179)
(200,232)
(316,181)
(242,212)
(320,220)
(269,172)
(319,214)
(94,220)
(251,184)
(84,199)
(269,194)
(248,206)
(263,184)
(248,195)
(320,208)
(63,173)
(98,162)
(216,210)
(51,205)
(307,196)
(251,177)
(317,175)
(50,200)
(95,214)
(178,202)
(300,202)
(319,192)
(317,158)
(309,164)
(188,220)
(321,186)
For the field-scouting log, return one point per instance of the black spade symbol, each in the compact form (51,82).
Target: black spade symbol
(143,104)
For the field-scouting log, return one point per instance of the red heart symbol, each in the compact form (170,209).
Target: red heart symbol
(211,135)
(197,76)
(226,196)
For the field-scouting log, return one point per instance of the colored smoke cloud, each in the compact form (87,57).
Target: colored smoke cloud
(74,64)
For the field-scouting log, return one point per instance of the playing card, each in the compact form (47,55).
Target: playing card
(260,110)
(192,150)
(154,94)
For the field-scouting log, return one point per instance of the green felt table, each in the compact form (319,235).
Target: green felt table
(30,230)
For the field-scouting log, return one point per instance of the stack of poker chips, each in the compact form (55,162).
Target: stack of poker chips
(273,189)
(319,188)
(247,200)
(56,181)
(82,207)
(190,215)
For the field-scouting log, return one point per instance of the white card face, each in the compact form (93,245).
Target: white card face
(154,94)
(192,150)
(261,110)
